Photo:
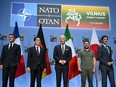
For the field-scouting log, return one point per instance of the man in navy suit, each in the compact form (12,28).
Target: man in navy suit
(62,55)
(36,62)
(106,62)
(10,58)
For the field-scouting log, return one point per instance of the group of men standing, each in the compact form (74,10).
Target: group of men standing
(36,63)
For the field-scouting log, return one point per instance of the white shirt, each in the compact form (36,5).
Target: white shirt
(106,47)
(10,44)
(64,46)
(64,50)
(38,48)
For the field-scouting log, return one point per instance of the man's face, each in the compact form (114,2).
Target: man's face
(86,45)
(37,41)
(62,40)
(11,38)
(105,40)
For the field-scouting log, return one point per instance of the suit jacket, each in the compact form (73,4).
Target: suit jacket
(59,56)
(34,59)
(104,57)
(10,57)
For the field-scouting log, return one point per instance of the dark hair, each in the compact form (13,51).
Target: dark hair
(12,35)
(85,40)
(104,37)
(35,38)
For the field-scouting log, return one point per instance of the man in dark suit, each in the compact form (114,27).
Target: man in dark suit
(36,62)
(106,62)
(62,55)
(10,58)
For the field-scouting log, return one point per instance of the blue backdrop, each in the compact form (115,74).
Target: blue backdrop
(78,34)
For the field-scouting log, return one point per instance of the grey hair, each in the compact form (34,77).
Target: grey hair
(63,36)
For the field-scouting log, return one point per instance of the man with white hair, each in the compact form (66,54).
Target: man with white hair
(62,55)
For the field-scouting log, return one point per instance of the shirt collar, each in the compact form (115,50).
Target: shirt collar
(104,45)
(86,50)
(12,43)
(37,46)
(64,45)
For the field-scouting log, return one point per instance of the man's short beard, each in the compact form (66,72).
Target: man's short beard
(86,47)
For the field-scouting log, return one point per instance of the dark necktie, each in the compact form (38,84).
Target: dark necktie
(10,46)
(37,51)
(62,49)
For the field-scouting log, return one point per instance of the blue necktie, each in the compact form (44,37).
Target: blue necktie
(108,49)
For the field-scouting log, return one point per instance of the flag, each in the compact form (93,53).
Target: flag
(43,45)
(73,68)
(94,45)
(21,67)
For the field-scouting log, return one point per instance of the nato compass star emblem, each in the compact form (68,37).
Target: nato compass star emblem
(24,14)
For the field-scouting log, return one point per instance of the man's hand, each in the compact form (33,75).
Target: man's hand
(44,69)
(79,69)
(109,63)
(93,70)
(28,69)
(112,63)
(62,62)
(1,67)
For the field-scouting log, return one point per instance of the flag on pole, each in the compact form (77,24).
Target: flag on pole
(43,45)
(73,68)
(21,67)
(94,45)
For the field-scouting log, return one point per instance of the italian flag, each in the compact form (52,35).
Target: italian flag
(73,68)
(94,45)
(21,67)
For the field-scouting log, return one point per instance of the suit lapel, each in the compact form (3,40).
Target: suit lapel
(7,47)
(109,50)
(65,49)
(105,49)
(13,46)
(40,50)
(60,51)
(34,49)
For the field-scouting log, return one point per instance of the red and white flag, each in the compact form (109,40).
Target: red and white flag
(94,45)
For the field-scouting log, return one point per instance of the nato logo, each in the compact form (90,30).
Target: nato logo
(32,14)
(25,14)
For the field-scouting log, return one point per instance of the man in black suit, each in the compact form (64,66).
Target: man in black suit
(36,62)
(62,55)
(10,58)
(106,62)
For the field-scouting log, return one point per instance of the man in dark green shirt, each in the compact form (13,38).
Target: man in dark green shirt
(86,64)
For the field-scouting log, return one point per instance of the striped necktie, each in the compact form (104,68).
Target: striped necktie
(62,49)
